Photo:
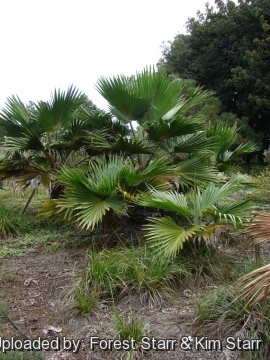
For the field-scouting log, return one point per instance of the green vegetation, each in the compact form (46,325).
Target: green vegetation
(124,272)
(18,355)
(227,50)
(222,316)
(156,154)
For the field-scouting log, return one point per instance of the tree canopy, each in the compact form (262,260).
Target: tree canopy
(228,51)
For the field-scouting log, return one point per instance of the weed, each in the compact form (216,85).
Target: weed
(126,272)
(150,275)
(86,301)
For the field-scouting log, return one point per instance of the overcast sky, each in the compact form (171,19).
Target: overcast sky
(48,44)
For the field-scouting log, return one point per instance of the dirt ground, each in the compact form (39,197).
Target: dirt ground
(32,288)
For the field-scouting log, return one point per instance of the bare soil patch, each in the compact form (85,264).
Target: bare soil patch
(31,288)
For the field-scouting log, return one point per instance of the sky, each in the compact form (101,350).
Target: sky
(48,44)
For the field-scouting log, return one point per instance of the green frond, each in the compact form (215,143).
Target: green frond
(163,92)
(28,142)
(166,237)
(89,212)
(234,213)
(243,149)
(209,196)
(123,101)
(197,98)
(56,113)
(166,200)
(197,168)
(226,134)
(15,118)
(130,147)
(194,143)
(162,130)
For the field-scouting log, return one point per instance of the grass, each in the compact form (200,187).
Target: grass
(11,224)
(19,355)
(205,264)
(86,301)
(131,330)
(21,234)
(220,315)
(127,330)
(137,273)
(124,272)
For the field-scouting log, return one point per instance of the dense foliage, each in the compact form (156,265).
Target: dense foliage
(228,51)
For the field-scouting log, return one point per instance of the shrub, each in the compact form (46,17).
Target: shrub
(262,187)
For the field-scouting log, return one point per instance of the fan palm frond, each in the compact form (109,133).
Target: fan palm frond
(256,285)
(16,118)
(167,200)
(197,168)
(162,130)
(57,113)
(195,142)
(258,228)
(167,237)
(123,101)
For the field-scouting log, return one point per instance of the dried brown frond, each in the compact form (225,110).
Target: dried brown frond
(258,228)
(256,284)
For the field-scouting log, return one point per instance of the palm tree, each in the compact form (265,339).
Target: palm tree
(154,141)
(41,137)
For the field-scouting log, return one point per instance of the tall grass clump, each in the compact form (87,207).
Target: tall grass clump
(11,224)
(205,263)
(150,276)
(120,273)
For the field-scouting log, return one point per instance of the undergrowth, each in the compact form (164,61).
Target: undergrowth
(220,316)
(128,273)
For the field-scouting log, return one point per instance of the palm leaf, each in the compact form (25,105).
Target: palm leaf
(124,102)
(197,168)
(162,130)
(163,92)
(234,213)
(16,118)
(28,142)
(167,200)
(88,198)
(226,134)
(57,113)
(196,142)
(167,237)
(197,98)
(243,149)
(258,228)
(256,285)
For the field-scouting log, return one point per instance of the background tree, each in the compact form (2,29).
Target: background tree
(228,51)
